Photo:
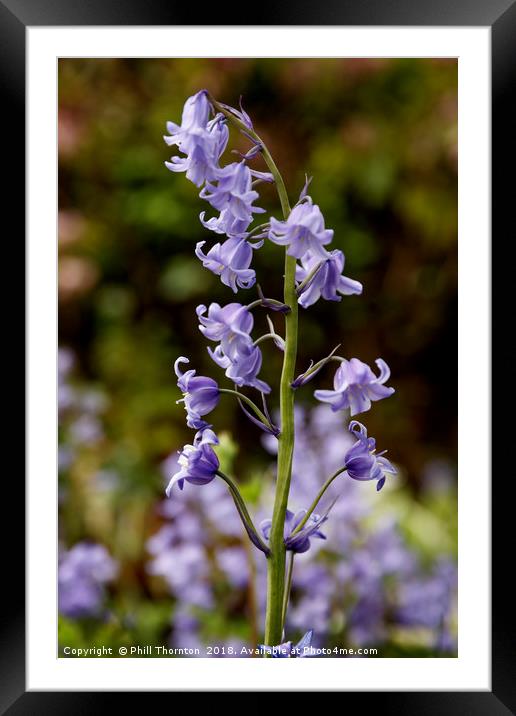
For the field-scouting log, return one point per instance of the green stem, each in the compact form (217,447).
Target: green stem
(249,402)
(276,563)
(256,229)
(252,598)
(317,366)
(266,337)
(316,501)
(277,558)
(243,512)
(310,276)
(260,302)
(288,586)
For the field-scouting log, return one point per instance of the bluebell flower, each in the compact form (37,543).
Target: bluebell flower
(196,112)
(198,462)
(202,141)
(233,196)
(230,325)
(243,367)
(83,572)
(287,650)
(230,261)
(201,394)
(362,462)
(226,223)
(233,191)
(236,352)
(300,542)
(303,231)
(327,281)
(355,386)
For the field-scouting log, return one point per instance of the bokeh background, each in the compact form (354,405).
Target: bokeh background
(379,136)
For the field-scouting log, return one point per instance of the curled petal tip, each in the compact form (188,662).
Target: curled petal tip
(181,359)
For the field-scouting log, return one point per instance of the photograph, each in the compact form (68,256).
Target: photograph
(257,361)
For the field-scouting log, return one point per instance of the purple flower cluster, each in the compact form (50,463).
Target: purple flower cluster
(201,140)
(319,272)
(230,326)
(227,189)
(233,196)
(425,603)
(236,352)
(79,407)
(83,573)
(198,462)
(80,410)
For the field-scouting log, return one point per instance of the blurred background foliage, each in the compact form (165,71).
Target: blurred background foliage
(379,136)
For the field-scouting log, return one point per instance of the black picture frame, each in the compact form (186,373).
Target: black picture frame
(500,15)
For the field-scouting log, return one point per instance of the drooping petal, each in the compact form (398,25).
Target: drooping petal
(355,386)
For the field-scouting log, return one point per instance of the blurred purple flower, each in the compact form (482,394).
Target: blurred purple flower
(362,462)
(303,231)
(314,609)
(425,602)
(65,362)
(234,562)
(83,572)
(355,386)
(92,401)
(186,570)
(86,430)
(198,462)
(327,281)
(185,633)
(230,261)
(65,457)
(201,394)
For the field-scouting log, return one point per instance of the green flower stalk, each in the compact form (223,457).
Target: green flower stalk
(277,557)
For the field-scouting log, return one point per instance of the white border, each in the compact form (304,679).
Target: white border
(471,670)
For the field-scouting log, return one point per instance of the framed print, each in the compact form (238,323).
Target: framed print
(258,353)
